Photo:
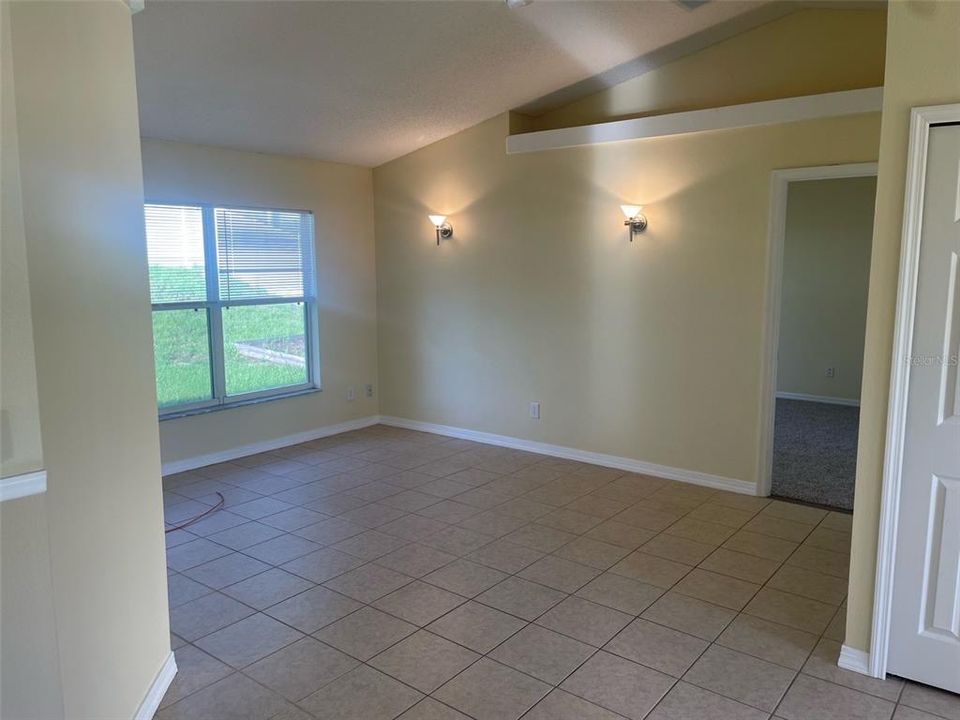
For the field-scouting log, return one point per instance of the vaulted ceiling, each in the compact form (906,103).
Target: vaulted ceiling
(363,82)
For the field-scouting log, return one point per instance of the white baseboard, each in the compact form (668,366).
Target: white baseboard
(613,461)
(198,461)
(855,660)
(829,400)
(158,689)
(18,486)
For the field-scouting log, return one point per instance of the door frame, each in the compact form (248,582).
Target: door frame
(922,119)
(779,188)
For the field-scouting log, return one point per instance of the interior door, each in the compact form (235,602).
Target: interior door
(925,622)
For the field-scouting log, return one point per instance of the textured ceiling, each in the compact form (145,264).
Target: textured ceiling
(364,82)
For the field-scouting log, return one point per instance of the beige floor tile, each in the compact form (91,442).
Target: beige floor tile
(796,580)
(375,514)
(248,640)
(524,508)
(505,556)
(658,647)
(620,534)
(791,610)
(449,511)
(779,528)
(769,641)
(650,569)
(424,660)
(677,549)
(205,615)
(226,570)
(181,589)
(585,621)
(361,694)
(594,553)
(694,617)
(739,501)
(763,546)
(827,539)
(476,626)
(368,583)
(559,574)
(740,565)
(311,610)
(322,565)
(195,670)
(465,578)
(795,512)
(419,603)
(824,561)
(932,700)
(412,527)
(908,713)
(488,690)
(702,531)
(813,699)
(560,705)
(570,521)
(619,685)
(598,505)
(416,560)
(741,677)
(647,518)
(370,545)
(840,521)
(492,522)
(688,702)
(281,549)
(722,515)
(301,668)
(365,633)
(525,599)
(540,537)
(837,629)
(620,593)
(236,697)
(430,709)
(718,589)
(543,653)
(330,531)
(456,540)
(823,664)
(268,588)
(244,536)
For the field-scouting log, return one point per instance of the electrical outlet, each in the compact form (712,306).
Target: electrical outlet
(351,394)
(535,410)
(830,372)
(368,390)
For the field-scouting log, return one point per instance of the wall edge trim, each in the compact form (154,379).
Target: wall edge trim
(197,461)
(693,477)
(728,117)
(857,661)
(158,689)
(24,485)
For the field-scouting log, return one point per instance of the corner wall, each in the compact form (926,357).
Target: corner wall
(82,200)
(341,199)
(923,68)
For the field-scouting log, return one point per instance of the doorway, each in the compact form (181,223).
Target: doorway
(821,235)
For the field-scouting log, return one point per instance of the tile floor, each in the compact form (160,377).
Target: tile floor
(386,573)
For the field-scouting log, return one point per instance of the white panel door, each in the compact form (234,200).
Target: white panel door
(925,622)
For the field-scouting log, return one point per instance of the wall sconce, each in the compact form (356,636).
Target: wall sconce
(636,220)
(444,229)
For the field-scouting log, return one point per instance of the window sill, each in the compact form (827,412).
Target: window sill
(176,414)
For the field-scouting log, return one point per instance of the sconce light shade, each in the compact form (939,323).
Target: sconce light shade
(444,229)
(636,221)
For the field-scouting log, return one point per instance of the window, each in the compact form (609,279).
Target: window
(234,307)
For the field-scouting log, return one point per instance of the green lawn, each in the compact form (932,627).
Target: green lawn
(181,350)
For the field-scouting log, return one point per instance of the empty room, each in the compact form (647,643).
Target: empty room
(480,360)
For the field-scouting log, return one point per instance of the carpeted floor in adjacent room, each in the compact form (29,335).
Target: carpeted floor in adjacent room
(815,452)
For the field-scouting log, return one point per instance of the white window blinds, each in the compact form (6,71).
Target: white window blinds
(264,254)
(175,254)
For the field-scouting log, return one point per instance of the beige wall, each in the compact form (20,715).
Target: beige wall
(341,199)
(826,264)
(649,350)
(20,447)
(29,662)
(923,68)
(82,196)
(807,52)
